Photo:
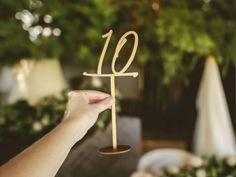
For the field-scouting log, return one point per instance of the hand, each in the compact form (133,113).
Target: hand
(83,108)
(82,112)
(141,174)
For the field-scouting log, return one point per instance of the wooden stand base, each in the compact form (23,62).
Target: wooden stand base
(111,151)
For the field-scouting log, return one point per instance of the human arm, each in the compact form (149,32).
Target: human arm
(44,158)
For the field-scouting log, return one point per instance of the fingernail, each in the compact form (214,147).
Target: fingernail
(69,93)
(111,100)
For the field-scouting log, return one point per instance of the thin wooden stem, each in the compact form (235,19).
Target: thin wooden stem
(113,114)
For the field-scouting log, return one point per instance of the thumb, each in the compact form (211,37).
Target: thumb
(104,104)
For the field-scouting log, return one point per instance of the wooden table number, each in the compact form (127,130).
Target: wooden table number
(115,149)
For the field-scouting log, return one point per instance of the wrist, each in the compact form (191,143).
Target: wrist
(75,129)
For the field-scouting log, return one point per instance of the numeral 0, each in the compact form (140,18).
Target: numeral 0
(119,46)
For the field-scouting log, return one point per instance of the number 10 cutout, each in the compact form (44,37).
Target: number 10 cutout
(116,149)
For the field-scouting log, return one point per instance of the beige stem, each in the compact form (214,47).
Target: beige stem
(113,111)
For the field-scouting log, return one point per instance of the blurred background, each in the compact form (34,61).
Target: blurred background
(45,46)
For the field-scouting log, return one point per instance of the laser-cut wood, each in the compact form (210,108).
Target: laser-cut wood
(112,77)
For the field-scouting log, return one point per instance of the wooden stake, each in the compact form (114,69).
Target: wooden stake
(121,148)
(113,113)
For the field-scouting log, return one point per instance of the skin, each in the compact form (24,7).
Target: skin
(44,157)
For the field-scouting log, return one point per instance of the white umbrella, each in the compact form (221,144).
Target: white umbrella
(214,133)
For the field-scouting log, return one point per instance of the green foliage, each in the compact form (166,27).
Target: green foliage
(82,24)
(173,37)
(81,31)
(183,32)
(167,34)
(180,39)
(15,41)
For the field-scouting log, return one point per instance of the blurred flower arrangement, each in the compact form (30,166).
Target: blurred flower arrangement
(200,167)
(23,120)
(210,167)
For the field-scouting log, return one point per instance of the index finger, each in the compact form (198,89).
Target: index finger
(92,94)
